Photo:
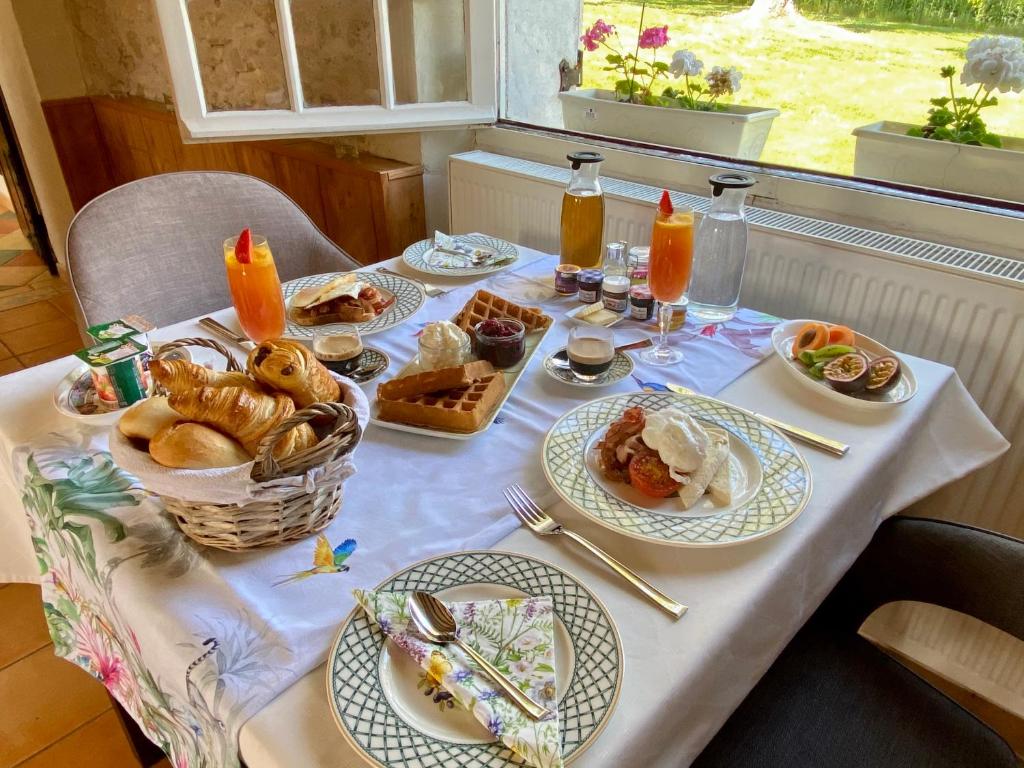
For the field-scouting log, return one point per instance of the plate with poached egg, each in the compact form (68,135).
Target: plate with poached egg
(681,470)
(372,301)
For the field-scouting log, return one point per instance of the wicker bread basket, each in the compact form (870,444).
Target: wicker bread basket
(294,515)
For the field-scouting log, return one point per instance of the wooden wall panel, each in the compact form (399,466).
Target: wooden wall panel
(81,150)
(349,215)
(371,206)
(256,161)
(300,181)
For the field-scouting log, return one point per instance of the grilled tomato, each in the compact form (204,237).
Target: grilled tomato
(649,475)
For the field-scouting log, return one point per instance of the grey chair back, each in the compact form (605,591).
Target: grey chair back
(153,247)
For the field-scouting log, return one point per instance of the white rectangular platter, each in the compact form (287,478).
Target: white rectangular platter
(512,376)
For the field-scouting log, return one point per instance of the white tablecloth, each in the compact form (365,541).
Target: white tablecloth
(681,679)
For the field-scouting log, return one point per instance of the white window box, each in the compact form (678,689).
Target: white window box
(739,132)
(884,151)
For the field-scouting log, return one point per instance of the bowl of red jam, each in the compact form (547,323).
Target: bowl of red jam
(502,342)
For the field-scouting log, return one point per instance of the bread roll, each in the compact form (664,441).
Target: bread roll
(188,445)
(144,419)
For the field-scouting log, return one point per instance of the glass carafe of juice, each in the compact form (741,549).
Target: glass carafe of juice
(255,286)
(720,253)
(583,212)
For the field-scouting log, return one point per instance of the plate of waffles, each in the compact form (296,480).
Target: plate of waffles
(373,301)
(461,400)
(681,470)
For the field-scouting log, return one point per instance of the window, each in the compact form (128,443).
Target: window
(830,89)
(304,67)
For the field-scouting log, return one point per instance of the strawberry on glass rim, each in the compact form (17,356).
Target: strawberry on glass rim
(243,247)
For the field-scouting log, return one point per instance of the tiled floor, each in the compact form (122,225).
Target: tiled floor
(55,714)
(37,321)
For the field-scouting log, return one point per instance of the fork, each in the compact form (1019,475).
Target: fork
(431,290)
(538,521)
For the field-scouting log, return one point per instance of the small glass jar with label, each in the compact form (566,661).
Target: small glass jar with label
(590,281)
(637,264)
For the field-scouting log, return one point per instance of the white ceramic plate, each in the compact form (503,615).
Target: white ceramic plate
(420,256)
(906,388)
(409,297)
(372,686)
(771,482)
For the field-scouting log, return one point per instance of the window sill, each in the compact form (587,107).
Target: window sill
(956,220)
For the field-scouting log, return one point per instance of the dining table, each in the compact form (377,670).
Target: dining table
(419,495)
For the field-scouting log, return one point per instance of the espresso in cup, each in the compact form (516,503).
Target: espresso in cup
(590,352)
(339,352)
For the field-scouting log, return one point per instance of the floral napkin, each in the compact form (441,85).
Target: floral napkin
(517,636)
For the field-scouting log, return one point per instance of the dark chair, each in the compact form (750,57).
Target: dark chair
(153,247)
(833,699)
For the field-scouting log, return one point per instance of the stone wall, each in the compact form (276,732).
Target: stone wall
(119,48)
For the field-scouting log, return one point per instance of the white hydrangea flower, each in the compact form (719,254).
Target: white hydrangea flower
(685,63)
(723,80)
(995,63)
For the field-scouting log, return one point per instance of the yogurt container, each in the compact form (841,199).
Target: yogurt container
(117,371)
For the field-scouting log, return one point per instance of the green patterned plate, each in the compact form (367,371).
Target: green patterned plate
(382,711)
(621,367)
(771,481)
(420,256)
(409,297)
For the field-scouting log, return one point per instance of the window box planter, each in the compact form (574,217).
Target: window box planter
(884,151)
(736,132)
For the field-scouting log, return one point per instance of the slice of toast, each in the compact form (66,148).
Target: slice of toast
(718,452)
(456,410)
(434,381)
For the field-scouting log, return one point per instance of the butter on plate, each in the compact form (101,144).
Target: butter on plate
(595,314)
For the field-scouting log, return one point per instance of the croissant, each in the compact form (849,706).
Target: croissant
(181,375)
(244,415)
(291,367)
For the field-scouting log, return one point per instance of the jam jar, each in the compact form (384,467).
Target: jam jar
(501,342)
(641,303)
(590,281)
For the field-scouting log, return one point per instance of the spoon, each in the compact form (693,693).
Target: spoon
(561,358)
(436,623)
(365,373)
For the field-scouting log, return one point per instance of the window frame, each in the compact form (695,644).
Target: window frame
(200,123)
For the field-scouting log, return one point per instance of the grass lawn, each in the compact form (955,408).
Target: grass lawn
(827,76)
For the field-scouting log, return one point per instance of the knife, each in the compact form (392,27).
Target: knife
(217,329)
(797,433)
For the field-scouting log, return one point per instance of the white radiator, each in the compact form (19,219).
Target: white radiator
(959,307)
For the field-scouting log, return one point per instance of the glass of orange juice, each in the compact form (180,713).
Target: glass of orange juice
(255,286)
(669,272)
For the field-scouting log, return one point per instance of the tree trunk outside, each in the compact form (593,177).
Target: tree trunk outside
(773,8)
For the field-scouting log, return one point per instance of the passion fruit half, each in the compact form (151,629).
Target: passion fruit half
(847,374)
(883,375)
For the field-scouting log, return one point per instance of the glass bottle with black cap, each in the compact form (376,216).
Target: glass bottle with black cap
(720,251)
(583,212)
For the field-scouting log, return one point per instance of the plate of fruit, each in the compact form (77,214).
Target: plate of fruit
(844,365)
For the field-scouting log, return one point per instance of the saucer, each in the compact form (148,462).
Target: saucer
(621,367)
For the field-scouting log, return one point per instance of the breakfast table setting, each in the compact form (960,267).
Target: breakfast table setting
(479,523)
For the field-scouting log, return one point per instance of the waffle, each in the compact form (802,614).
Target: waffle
(486,305)
(434,381)
(457,410)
